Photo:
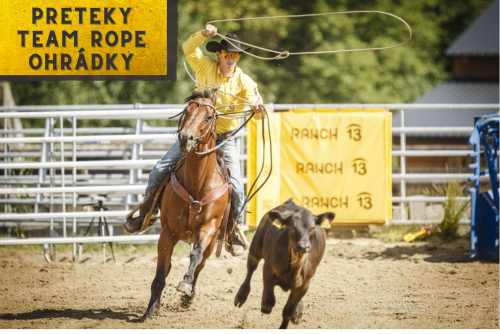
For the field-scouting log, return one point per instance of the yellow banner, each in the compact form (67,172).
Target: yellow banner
(103,38)
(331,161)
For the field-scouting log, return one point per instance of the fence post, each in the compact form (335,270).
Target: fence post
(51,175)
(7,172)
(42,172)
(63,183)
(403,168)
(74,185)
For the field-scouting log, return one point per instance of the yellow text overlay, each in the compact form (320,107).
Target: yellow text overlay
(83,37)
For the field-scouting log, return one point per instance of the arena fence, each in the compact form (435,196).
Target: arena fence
(105,169)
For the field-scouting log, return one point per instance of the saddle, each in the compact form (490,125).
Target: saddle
(149,208)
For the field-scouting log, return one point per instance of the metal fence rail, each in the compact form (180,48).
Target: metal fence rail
(122,156)
(59,154)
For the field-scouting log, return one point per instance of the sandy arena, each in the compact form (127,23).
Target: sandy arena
(361,283)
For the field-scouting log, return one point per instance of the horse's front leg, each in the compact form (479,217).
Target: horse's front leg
(186,300)
(166,245)
(204,245)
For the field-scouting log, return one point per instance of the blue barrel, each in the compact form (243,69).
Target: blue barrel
(487,227)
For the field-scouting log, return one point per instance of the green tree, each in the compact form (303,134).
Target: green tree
(389,76)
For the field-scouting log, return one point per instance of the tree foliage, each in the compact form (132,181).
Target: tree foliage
(389,76)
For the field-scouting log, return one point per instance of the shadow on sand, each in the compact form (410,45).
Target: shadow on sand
(73,314)
(432,253)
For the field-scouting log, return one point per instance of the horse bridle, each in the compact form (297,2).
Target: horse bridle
(210,126)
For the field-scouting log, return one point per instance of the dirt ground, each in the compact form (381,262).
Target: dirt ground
(361,283)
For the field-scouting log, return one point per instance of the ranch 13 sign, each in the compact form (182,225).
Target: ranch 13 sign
(88,40)
(328,161)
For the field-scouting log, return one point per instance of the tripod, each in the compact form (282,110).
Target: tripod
(102,228)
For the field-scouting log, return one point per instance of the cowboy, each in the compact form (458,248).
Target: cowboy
(227,77)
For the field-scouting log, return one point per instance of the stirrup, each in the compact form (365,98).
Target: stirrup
(148,221)
(133,211)
(242,237)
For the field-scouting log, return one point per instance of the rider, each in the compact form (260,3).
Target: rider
(223,74)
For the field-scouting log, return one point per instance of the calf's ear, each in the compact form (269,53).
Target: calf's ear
(322,219)
(279,217)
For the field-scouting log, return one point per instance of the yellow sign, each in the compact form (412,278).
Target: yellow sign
(329,161)
(88,40)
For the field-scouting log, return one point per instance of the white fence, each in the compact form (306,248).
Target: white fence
(73,162)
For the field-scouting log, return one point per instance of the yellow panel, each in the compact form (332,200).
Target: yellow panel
(145,15)
(329,161)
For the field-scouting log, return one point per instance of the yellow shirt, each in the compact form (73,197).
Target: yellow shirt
(208,72)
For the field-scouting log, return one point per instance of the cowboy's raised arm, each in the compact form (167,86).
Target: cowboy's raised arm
(192,51)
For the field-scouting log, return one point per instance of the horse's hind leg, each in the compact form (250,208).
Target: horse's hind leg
(166,245)
(204,242)
(186,300)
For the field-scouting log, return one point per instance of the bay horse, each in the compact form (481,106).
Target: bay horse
(194,201)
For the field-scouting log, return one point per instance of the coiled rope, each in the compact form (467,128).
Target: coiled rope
(286,54)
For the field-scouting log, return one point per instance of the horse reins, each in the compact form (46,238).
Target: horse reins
(215,117)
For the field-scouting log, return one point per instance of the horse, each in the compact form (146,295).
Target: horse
(194,201)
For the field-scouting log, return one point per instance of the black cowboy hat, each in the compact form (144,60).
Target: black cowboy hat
(225,45)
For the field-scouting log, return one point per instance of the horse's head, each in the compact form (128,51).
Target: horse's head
(199,120)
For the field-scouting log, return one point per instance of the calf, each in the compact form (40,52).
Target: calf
(292,243)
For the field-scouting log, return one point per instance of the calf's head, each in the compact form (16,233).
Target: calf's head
(300,222)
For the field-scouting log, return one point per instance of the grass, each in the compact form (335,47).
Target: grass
(121,249)
(453,209)
(395,233)
(448,228)
(180,250)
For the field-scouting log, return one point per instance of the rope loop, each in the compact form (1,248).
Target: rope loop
(285,54)
(282,55)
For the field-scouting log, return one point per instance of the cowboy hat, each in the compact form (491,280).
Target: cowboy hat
(225,45)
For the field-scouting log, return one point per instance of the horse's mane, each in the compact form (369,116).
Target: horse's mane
(206,94)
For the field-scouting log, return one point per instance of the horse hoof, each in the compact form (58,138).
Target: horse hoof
(147,315)
(266,309)
(296,319)
(238,302)
(185,302)
(298,313)
(241,296)
(185,288)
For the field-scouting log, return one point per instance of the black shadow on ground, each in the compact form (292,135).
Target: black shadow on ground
(435,254)
(70,313)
